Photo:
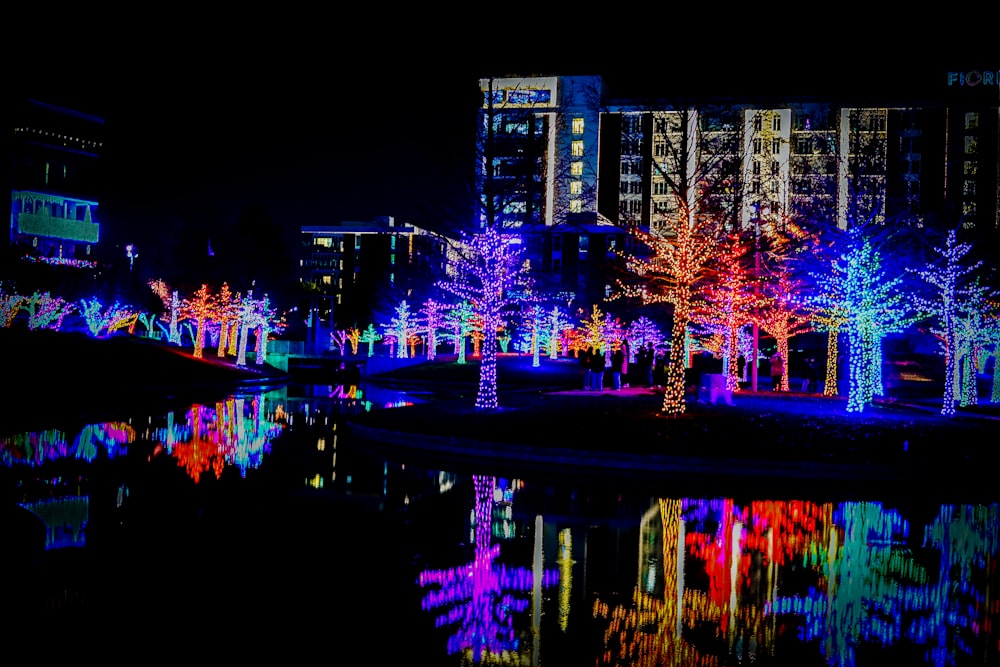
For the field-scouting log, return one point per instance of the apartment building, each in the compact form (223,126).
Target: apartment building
(573,169)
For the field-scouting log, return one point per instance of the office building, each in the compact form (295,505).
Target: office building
(356,273)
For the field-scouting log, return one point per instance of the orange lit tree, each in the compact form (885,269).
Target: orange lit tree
(676,272)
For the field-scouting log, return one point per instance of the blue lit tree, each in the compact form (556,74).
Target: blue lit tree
(401,328)
(105,320)
(559,323)
(949,275)
(488,272)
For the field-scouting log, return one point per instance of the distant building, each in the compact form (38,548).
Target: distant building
(573,170)
(356,272)
(55,183)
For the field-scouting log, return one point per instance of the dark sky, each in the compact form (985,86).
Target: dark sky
(326,116)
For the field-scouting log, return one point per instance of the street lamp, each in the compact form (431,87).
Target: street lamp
(131,251)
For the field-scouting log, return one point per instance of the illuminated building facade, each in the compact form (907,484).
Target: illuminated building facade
(353,267)
(55,182)
(570,166)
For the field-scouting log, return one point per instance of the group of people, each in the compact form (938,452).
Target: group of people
(597,365)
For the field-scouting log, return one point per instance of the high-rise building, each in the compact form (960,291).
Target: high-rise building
(573,169)
(55,183)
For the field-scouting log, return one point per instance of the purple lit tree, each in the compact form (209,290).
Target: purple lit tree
(46,311)
(488,271)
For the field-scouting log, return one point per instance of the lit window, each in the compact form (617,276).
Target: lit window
(576,168)
(577,148)
(971,147)
(577,126)
(575,206)
(972,120)
(576,187)
(971,167)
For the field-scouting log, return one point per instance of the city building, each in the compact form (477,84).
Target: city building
(356,273)
(55,183)
(573,170)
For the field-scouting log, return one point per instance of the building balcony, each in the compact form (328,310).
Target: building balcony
(69,229)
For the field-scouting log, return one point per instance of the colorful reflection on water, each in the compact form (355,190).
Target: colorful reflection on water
(720,582)
(547,572)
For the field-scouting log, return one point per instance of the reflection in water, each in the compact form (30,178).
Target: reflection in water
(740,580)
(624,580)
(483,597)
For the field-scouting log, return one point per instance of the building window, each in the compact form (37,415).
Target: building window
(659,187)
(971,146)
(556,243)
(575,187)
(758,123)
(756,168)
(756,145)
(803,146)
(776,123)
(556,265)
(972,121)
(970,167)
(660,148)
(775,146)
(577,148)
(775,168)
(969,188)
(575,206)
(576,168)
(577,126)
(755,187)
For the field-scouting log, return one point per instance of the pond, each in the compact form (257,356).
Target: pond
(256,522)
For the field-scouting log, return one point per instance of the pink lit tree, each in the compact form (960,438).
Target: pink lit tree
(488,272)
(433,314)
(730,302)
(783,316)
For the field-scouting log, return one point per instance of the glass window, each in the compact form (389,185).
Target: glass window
(972,120)
(577,148)
(577,126)
(576,168)
(758,122)
(575,206)
(775,146)
(575,187)
(584,242)
(756,145)
(776,123)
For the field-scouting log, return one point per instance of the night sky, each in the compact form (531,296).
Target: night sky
(322,117)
